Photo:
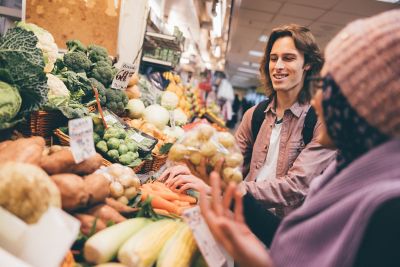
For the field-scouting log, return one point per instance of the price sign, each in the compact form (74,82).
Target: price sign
(209,248)
(81,138)
(123,76)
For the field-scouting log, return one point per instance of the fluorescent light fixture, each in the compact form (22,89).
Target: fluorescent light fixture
(217,51)
(246,63)
(256,53)
(389,1)
(217,21)
(255,65)
(248,70)
(263,38)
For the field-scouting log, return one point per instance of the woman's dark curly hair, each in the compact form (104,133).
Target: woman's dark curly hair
(305,43)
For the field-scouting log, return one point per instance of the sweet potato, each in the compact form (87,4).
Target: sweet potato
(118,206)
(88,166)
(106,213)
(87,223)
(4,144)
(72,189)
(97,186)
(25,150)
(63,162)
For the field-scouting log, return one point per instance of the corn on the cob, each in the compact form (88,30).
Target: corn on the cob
(103,246)
(142,249)
(179,250)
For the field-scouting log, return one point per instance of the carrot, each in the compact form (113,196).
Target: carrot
(158,202)
(164,194)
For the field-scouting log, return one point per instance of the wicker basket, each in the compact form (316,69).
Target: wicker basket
(158,161)
(42,123)
(64,140)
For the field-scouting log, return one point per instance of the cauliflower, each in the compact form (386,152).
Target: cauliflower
(58,94)
(46,43)
(169,100)
(27,191)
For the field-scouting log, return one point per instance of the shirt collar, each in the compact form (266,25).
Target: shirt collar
(297,108)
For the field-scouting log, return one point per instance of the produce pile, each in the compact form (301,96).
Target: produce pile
(204,144)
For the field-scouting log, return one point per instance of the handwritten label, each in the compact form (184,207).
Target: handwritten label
(110,119)
(81,138)
(123,76)
(137,137)
(209,248)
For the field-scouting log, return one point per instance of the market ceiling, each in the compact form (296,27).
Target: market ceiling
(253,20)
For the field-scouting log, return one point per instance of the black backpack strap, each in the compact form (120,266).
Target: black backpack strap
(258,117)
(309,124)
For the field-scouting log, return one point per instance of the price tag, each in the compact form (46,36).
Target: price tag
(110,119)
(123,76)
(209,248)
(81,138)
(137,137)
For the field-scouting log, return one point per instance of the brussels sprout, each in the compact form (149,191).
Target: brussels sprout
(131,146)
(113,153)
(96,138)
(102,146)
(113,143)
(96,119)
(111,133)
(126,159)
(121,133)
(122,149)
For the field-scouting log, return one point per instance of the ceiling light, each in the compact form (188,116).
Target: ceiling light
(246,63)
(248,70)
(389,1)
(263,38)
(256,53)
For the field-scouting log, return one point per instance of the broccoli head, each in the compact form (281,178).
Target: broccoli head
(100,89)
(77,81)
(59,66)
(98,53)
(102,72)
(116,100)
(75,45)
(77,61)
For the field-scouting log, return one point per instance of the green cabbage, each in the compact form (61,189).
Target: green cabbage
(10,103)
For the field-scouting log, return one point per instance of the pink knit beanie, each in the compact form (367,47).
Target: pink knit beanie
(364,60)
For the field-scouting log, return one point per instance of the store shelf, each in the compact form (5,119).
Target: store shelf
(157,61)
(162,40)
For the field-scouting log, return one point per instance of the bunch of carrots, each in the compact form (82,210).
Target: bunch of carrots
(165,201)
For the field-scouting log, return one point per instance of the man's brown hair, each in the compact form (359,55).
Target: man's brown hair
(306,44)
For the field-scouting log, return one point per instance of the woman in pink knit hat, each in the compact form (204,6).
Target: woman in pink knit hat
(351,216)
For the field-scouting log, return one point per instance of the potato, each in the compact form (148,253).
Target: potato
(233,160)
(116,189)
(204,132)
(63,162)
(24,150)
(97,186)
(226,139)
(88,166)
(106,213)
(4,144)
(87,222)
(195,158)
(124,200)
(72,189)
(177,152)
(214,159)
(191,140)
(208,149)
(232,175)
(130,192)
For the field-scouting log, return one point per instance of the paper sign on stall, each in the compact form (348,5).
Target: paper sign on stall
(209,248)
(81,138)
(123,76)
